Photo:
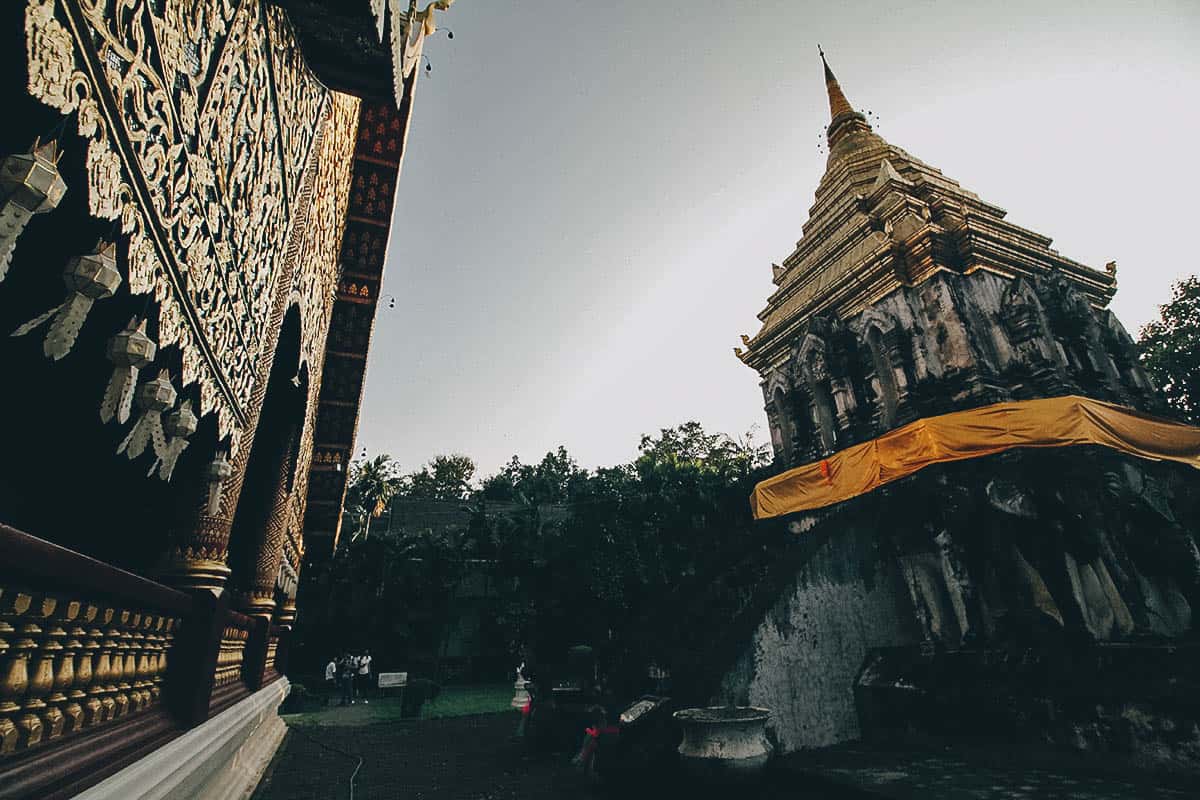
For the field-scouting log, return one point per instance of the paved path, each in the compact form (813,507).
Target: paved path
(476,758)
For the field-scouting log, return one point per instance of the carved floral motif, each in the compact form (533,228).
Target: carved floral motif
(317,288)
(200,157)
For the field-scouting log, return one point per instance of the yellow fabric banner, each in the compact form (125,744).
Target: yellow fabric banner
(1050,422)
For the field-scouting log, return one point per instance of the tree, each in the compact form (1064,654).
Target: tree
(553,480)
(613,557)
(373,484)
(1170,349)
(714,452)
(446,477)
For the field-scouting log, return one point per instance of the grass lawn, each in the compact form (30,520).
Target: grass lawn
(453,701)
(459,701)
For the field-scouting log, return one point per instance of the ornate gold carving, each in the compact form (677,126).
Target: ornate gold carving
(272,650)
(201,119)
(285,615)
(409,31)
(197,558)
(317,288)
(67,665)
(317,285)
(230,656)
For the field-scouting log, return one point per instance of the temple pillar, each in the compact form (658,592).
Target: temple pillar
(199,547)
(256,592)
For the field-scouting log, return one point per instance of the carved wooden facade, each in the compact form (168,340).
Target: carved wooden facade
(220,218)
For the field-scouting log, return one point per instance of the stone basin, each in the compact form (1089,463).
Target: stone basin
(724,742)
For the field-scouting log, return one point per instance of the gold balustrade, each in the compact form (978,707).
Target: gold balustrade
(272,649)
(231,655)
(70,663)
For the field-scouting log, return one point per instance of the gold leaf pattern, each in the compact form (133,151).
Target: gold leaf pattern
(202,159)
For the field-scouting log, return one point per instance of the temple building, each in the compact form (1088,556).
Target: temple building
(195,202)
(992,525)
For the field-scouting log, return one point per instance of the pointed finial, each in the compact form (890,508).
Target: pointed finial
(47,151)
(847,127)
(838,104)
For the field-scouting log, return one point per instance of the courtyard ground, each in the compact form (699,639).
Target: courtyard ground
(453,701)
(456,751)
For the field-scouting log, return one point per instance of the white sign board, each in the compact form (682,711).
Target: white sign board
(389,680)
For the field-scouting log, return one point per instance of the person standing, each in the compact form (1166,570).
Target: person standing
(330,680)
(364,674)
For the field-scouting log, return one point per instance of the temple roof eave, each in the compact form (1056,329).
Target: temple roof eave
(341,45)
(873,276)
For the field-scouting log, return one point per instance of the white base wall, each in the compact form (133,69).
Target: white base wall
(223,759)
(803,658)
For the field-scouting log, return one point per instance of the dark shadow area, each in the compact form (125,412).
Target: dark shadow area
(60,477)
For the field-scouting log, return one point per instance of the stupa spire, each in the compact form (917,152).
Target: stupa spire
(838,104)
(843,119)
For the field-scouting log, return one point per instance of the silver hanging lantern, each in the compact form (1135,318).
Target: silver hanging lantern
(89,278)
(178,426)
(219,469)
(129,350)
(154,397)
(29,184)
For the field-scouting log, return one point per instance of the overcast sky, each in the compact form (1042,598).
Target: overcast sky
(594,192)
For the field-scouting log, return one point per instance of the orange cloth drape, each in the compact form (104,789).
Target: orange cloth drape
(1051,422)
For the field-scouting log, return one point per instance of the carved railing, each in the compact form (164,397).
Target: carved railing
(85,650)
(82,644)
(71,664)
(237,670)
(98,666)
(231,654)
(272,650)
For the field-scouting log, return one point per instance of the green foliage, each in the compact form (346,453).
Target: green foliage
(444,478)
(567,555)
(372,486)
(555,479)
(461,701)
(1170,348)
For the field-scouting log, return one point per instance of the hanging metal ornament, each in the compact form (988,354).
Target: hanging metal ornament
(29,184)
(89,278)
(219,469)
(154,397)
(178,425)
(129,350)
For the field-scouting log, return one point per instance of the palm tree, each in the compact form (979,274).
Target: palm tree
(373,484)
